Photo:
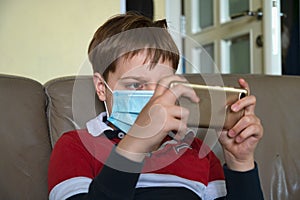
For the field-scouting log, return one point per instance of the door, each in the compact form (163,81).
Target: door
(232,36)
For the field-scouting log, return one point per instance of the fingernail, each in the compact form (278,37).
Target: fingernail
(234,107)
(231,133)
(238,139)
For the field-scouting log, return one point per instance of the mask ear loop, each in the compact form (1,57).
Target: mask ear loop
(105,104)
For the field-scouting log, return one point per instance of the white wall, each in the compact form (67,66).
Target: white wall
(47,39)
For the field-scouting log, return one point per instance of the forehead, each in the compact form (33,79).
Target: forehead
(139,65)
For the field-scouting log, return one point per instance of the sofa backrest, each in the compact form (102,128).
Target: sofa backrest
(72,102)
(25,145)
(278,153)
(26,141)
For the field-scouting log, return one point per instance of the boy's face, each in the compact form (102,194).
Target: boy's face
(134,73)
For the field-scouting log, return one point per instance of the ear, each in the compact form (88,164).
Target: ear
(99,86)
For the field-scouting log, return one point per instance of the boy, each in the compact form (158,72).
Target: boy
(141,148)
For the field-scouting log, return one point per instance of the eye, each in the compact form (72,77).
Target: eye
(134,86)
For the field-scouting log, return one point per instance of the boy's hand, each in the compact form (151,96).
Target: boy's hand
(160,116)
(240,141)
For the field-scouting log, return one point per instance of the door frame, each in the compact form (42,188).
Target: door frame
(271,31)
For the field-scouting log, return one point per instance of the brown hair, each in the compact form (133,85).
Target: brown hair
(126,35)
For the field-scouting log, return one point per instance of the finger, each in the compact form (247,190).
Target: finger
(179,113)
(172,94)
(242,124)
(223,137)
(180,117)
(221,134)
(162,119)
(244,84)
(186,91)
(248,103)
(164,83)
(254,131)
(172,111)
(181,131)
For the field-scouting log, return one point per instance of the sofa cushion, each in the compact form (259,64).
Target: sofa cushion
(25,146)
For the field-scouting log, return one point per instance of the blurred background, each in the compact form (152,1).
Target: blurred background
(43,40)
(48,39)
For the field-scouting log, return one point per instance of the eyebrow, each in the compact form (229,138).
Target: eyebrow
(140,78)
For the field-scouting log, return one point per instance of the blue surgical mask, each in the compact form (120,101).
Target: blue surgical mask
(127,105)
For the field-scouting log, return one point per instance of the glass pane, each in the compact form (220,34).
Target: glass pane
(240,55)
(207,59)
(203,59)
(202,14)
(206,13)
(236,7)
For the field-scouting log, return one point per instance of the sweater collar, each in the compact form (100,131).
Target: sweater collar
(97,126)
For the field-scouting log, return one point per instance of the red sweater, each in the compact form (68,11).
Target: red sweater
(78,158)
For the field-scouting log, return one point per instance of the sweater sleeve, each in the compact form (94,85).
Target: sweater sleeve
(243,185)
(117,180)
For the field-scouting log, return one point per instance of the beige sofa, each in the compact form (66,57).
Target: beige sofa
(33,116)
